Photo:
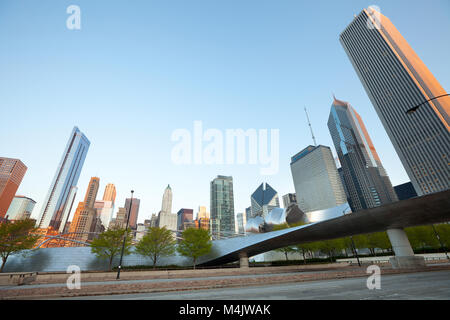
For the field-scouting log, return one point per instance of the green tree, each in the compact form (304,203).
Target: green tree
(158,242)
(195,243)
(421,237)
(15,237)
(378,240)
(331,247)
(443,229)
(109,244)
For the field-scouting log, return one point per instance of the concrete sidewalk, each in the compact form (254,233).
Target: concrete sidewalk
(199,279)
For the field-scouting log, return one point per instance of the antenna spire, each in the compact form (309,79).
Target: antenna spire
(310,128)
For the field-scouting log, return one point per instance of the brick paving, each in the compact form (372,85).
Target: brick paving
(249,280)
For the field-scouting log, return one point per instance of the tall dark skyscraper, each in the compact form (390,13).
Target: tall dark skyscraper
(396,80)
(222,207)
(61,193)
(365,179)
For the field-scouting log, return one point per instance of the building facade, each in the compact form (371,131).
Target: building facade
(84,222)
(21,208)
(66,177)
(110,193)
(12,172)
(134,211)
(365,179)
(185,217)
(316,179)
(396,80)
(222,207)
(288,199)
(263,200)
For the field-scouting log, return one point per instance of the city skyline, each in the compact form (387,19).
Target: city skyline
(294,132)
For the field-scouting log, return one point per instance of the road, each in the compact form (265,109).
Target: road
(434,285)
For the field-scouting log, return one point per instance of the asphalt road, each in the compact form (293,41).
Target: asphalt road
(424,285)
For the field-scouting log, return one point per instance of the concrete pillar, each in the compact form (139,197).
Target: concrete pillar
(404,254)
(243,260)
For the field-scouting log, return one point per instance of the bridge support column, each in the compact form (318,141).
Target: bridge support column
(404,254)
(243,260)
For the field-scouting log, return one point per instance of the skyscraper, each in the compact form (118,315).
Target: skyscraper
(167,200)
(66,177)
(288,199)
(185,217)
(11,175)
(21,208)
(263,200)
(85,217)
(396,80)
(316,180)
(105,211)
(222,207)
(110,193)
(366,180)
(134,211)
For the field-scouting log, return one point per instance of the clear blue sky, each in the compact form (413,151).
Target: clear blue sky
(138,70)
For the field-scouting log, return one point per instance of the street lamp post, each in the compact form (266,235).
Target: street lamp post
(414,109)
(353,243)
(440,242)
(125,237)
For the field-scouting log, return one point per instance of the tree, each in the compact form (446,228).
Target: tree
(156,243)
(443,229)
(421,237)
(16,236)
(195,243)
(378,240)
(109,244)
(288,249)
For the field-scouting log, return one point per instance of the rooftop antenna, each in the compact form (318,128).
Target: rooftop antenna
(310,128)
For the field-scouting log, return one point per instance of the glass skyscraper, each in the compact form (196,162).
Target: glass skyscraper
(263,200)
(12,172)
(222,207)
(66,177)
(396,80)
(364,177)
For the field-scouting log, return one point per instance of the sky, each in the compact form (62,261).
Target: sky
(138,71)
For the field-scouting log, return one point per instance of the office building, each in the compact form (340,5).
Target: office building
(21,208)
(222,207)
(240,223)
(110,193)
(84,222)
(202,213)
(288,199)
(185,217)
(365,179)
(66,177)
(167,200)
(263,200)
(316,179)
(134,211)
(12,172)
(405,191)
(396,80)
(105,211)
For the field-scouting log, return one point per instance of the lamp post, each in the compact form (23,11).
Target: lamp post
(414,109)
(125,237)
(353,243)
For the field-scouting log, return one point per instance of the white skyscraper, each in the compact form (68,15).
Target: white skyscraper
(167,200)
(316,179)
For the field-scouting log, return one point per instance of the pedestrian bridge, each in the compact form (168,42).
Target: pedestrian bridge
(428,209)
